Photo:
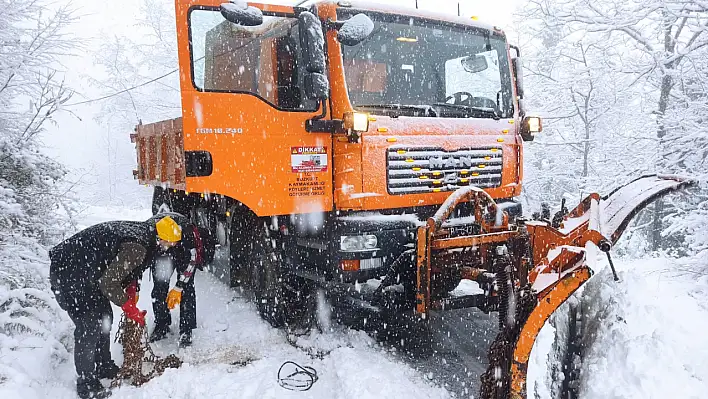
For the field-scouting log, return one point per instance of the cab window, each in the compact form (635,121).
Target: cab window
(263,60)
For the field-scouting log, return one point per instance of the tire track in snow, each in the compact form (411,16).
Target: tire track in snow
(453,352)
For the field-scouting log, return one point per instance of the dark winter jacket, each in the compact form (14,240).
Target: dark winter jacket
(101,261)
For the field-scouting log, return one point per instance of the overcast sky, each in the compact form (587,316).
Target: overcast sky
(80,143)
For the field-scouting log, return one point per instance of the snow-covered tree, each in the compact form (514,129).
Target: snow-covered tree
(32,39)
(137,64)
(140,65)
(622,85)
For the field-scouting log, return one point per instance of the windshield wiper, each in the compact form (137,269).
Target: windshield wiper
(426,110)
(472,111)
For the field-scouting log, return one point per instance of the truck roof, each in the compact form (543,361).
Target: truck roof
(410,11)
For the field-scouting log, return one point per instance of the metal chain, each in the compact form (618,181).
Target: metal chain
(136,351)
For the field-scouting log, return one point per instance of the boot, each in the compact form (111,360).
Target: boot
(107,370)
(91,389)
(159,333)
(185,339)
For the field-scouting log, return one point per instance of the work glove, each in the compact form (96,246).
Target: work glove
(130,307)
(132,291)
(174,297)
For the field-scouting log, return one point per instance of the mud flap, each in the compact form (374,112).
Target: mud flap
(561,256)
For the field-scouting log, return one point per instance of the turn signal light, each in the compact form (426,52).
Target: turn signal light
(349,265)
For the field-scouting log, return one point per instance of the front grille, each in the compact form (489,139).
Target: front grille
(368,264)
(427,169)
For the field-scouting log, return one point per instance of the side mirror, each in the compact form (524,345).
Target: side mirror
(240,13)
(474,63)
(354,30)
(316,86)
(530,126)
(312,42)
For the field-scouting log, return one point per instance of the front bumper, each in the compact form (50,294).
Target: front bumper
(396,233)
(322,256)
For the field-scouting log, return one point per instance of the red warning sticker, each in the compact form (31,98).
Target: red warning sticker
(308,159)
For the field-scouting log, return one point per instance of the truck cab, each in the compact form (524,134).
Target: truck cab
(321,137)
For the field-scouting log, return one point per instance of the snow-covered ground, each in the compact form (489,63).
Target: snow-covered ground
(646,335)
(235,354)
(645,338)
(230,334)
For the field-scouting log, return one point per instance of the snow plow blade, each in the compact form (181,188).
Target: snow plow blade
(527,268)
(621,205)
(564,266)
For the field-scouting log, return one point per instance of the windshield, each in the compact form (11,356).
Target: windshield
(419,67)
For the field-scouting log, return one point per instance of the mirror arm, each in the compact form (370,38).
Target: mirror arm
(517,49)
(333,25)
(320,125)
(323,103)
(518,78)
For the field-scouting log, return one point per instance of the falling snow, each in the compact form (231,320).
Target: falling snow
(622,90)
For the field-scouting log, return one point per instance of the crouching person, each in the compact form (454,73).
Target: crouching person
(97,266)
(192,253)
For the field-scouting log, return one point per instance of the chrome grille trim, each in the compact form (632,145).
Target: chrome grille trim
(368,264)
(412,170)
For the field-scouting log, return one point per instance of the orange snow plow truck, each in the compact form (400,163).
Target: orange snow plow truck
(373,154)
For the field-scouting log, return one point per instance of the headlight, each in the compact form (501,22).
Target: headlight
(534,124)
(530,127)
(356,121)
(358,243)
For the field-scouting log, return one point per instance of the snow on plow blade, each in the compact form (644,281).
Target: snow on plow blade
(620,206)
(566,262)
(526,268)
(598,221)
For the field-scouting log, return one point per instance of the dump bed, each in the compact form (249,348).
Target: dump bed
(160,152)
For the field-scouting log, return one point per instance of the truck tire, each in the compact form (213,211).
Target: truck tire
(206,222)
(280,296)
(166,200)
(240,243)
(208,243)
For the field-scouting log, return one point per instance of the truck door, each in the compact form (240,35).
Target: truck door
(244,111)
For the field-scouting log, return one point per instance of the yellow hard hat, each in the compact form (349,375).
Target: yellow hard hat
(168,229)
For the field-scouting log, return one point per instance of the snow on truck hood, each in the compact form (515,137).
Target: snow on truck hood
(411,125)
